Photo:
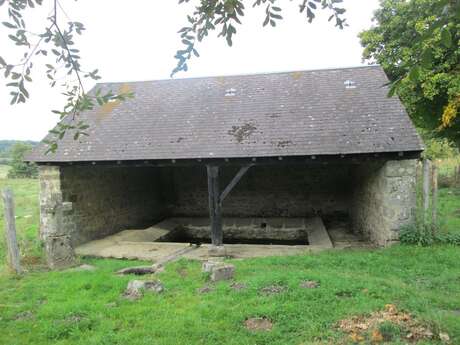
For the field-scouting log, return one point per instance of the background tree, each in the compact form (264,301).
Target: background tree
(20,168)
(56,47)
(417,44)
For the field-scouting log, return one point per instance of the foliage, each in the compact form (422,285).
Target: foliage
(55,44)
(5,146)
(85,307)
(427,234)
(418,233)
(20,168)
(389,330)
(225,15)
(416,42)
(438,147)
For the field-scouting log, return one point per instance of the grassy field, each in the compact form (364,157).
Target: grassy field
(449,209)
(25,193)
(3,171)
(86,307)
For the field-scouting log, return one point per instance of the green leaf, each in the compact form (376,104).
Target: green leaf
(414,74)
(446,37)
(427,58)
(9,25)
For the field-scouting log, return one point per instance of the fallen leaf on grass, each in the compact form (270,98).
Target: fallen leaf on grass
(376,337)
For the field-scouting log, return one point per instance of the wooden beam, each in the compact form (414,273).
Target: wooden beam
(233,182)
(10,232)
(215,213)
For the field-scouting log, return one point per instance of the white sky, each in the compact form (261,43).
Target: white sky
(137,40)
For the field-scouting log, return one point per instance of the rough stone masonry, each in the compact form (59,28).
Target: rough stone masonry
(82,203)
(384,199)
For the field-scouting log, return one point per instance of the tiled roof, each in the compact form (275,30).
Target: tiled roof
(319,112)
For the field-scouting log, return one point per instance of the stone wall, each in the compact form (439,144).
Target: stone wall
(265,191)
(384,199)
(81,203)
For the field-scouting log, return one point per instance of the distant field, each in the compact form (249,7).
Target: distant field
(25,192)
(4,170)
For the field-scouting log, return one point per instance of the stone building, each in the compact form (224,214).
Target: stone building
(326,143)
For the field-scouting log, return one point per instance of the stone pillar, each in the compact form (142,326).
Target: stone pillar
(56,219)
(384,199)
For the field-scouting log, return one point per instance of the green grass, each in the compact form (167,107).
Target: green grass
(72,307)
(26,201)
(4,171)
(449,209)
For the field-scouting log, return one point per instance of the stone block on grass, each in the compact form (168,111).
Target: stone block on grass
(136,288)
(222,272)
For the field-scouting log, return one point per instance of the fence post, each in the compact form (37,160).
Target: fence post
(426,188)
(10,231)
(457,174)
(434,194)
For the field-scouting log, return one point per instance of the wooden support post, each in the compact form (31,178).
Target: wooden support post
(434,194)
(215,213)
(426,188)
(10,232)
(233,182)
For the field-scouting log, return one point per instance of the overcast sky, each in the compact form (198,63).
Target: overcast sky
(137,40)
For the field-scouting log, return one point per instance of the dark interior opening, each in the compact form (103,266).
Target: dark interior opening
(185,237)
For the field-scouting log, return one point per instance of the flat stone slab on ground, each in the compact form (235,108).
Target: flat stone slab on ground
(222,272)
(85,267)
(140,244)
(205,289)
(136,288)
(208,265)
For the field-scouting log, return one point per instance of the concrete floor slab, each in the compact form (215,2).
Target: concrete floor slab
(140,244)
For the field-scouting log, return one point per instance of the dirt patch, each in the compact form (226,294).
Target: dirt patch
(258,324)
(238,286)
(309,284)
(345,294)
(25,315)
(386,325)
(205,289)
(74,318)
(182,272)
(273,289)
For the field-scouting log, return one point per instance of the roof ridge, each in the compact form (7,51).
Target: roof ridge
(241,74)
